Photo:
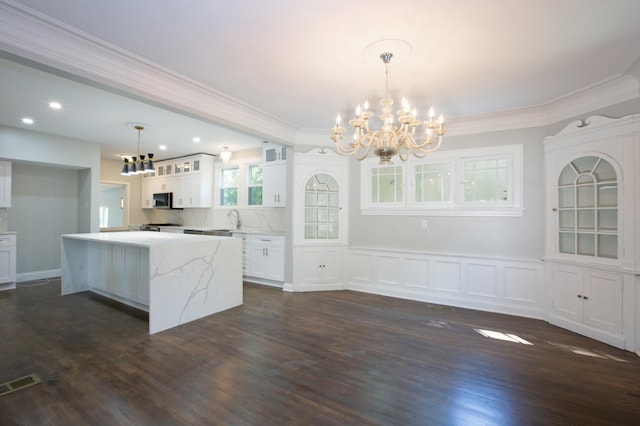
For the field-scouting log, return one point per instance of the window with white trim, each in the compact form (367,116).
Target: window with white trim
(229,181)
(254,185)
(469,182)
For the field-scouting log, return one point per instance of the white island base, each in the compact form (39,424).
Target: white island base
(177,278)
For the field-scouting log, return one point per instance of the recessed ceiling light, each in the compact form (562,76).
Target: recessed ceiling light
(196,139)
(27,120)
(163,147)
(55,105)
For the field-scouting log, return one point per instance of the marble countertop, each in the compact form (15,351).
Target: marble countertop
(141,238)
(235,231)
(8,233)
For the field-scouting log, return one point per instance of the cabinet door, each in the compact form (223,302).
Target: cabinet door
(567,292)
(274,185)
(275,262)
(603,301)
(311,265)
(332,265)
(7,264)
(259,265)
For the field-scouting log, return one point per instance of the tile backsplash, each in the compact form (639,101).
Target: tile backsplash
(257,219)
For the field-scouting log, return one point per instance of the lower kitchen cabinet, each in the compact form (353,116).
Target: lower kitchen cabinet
(265,257)
(7,261)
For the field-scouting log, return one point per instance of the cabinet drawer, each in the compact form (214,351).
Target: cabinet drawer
(7,240)
(267,240)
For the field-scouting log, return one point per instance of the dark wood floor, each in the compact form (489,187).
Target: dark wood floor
(311,358)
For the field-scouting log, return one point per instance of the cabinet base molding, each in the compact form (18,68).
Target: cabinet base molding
(262,281)
(7,286)
(612,339)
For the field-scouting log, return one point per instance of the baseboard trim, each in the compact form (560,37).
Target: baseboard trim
(38,275)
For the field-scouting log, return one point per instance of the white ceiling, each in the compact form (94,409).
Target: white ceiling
(302,61)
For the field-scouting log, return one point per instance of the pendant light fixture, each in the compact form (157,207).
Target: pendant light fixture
(225,154)
(138,165)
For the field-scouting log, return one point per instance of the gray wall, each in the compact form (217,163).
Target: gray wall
(44,205)
(509,237)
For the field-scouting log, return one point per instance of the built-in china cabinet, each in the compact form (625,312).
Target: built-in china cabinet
(592,256)
(320,220)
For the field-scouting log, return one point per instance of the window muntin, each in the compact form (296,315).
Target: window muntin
(588,208)
(321,208)
(229,181)
(254,185)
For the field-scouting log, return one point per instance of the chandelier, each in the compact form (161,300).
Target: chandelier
(409,135)
(138,165)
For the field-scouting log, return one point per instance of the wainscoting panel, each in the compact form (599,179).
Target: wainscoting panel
(510,286)
(482,279)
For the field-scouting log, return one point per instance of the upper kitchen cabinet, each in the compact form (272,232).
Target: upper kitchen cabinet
(5,184)
(189,178)
(273,153)
(274,185)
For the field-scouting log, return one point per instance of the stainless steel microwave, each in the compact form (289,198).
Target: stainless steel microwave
(163,200)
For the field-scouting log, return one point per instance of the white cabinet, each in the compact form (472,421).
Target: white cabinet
(5,183)
(190,179)
(588,301)
(274,185)
(7,261)
(246,251)
(266,256)
(273,153)
(321,265)
(591,254)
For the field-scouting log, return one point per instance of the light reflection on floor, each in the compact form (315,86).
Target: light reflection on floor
(502,336)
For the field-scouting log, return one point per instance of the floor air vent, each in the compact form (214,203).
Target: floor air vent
(17,384)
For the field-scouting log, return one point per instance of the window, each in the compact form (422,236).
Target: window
(321,207)
(471,182)
(254,185)
(588,208)
(229,186)
(486,180)
(433,182)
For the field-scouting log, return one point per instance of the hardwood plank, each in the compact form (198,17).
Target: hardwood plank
(310,358)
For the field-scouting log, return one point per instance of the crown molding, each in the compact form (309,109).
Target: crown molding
(34,36)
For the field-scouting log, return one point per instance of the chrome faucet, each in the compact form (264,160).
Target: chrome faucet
(237,217)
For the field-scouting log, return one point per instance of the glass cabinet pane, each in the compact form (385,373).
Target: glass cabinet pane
(567,197)
(567,220)
(567,242)
(586,196)
(608,246)
(587,219)
(608,195)
(587,244)
(322,207)
(588,208)
(608,220)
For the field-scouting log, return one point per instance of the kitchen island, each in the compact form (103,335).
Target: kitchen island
(177,278)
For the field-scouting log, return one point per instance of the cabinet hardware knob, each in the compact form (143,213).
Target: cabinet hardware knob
(580,296)
(554,209)
(585,298)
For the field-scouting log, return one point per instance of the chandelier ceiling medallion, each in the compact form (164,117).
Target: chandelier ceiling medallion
(409,135)
(138,165)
